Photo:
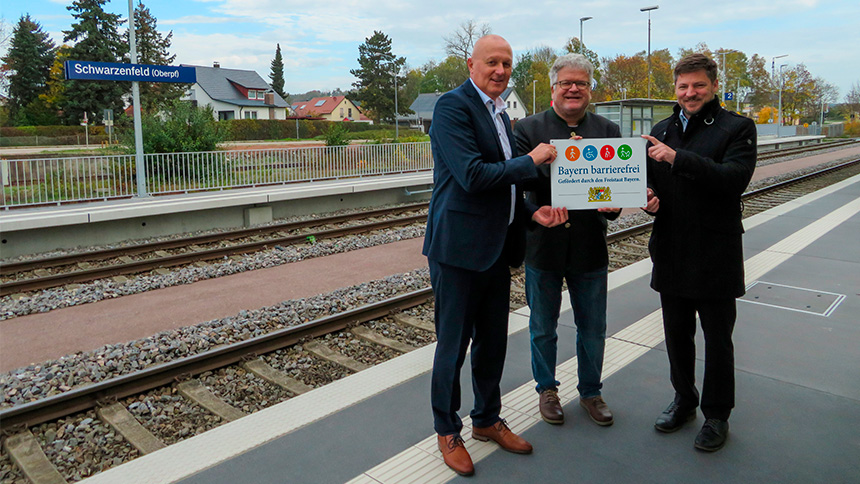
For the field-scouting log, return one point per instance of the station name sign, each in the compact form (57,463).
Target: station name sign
(108,71)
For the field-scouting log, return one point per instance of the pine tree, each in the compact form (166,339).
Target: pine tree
(375,85)
(152,48)
(29,61)
(97,39)
(277,75)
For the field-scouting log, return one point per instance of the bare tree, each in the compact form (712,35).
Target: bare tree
(461,41)
(5,38)
(852,99)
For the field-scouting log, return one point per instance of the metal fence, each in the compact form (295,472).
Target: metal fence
(90,178)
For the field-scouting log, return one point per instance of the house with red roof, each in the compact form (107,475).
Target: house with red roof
(331,108)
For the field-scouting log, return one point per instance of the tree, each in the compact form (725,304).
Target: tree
(623,77)
(521,76)
(411,86)
(762,85)
(96,38)
(534,66)
(462,40)
(766,115)
(662,75)
(444,76)
(28,62)
(378,67)
(277,75)
(54,96)
(152,48)
(700,48)
(852,99)
(5,37)
(575,46)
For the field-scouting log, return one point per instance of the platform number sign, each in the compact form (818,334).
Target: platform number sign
(730,96)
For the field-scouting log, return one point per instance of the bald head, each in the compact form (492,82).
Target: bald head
(491,64)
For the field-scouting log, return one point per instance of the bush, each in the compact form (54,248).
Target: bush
(336,135)
(181,127)
(852,128)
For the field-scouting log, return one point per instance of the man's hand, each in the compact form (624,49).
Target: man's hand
(550,217)
(543,153)
(653,203)
(659,151)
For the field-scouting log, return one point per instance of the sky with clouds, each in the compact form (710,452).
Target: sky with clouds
(319,39)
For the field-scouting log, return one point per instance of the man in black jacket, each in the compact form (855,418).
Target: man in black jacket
(700,161)
(575,252)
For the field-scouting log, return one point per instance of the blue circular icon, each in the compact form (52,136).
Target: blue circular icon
(589,153)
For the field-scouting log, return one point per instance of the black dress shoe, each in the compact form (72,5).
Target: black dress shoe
(713,435)
(674,417)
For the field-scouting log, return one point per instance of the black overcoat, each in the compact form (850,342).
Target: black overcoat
(696,243)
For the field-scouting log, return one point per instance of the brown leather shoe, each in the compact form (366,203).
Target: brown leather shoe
(455,454)
(550,407)
(501,434)
(597,410)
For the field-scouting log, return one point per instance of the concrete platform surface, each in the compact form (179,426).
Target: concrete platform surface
(798,392)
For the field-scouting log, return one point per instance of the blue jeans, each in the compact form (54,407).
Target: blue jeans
(588,299)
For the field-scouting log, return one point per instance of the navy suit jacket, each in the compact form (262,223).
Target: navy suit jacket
(467,226)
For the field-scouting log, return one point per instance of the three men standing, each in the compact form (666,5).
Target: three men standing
(700,161)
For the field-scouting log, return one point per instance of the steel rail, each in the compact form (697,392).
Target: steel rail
(134,267)
(90,396)
(766,155)
(68,259)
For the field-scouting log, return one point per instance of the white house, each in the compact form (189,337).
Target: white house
(515,107)
(236,94)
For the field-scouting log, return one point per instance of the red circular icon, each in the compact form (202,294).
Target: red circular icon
(607,152)
(572,153)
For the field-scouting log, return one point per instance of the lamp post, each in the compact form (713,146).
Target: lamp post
(139,165)
(737,98)
(396,124)
(779,109)
(725,72)
(648,9)
(581,41)
(534,90)
(773,63)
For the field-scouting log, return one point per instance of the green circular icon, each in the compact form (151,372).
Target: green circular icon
(625,152)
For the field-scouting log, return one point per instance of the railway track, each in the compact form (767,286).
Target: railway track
(36,274)
(767,155)
(116,401)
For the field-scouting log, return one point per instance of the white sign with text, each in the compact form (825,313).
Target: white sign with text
(598,172)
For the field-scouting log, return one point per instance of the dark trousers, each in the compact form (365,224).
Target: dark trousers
(718,321)
(472,306)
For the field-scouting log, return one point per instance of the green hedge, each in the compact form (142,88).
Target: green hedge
(240,130)
(260,129)
(49,131)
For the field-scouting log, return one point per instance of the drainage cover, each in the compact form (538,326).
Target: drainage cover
(793,298)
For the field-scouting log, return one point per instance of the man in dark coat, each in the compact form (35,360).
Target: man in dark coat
(475,230)
(574,252)
(701,160)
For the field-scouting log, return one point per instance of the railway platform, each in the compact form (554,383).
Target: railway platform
(798,389)
(39,229)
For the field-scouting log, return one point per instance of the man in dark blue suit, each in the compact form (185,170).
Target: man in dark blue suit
(475,230)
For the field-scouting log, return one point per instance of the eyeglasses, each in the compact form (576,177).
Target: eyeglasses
(569,84)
